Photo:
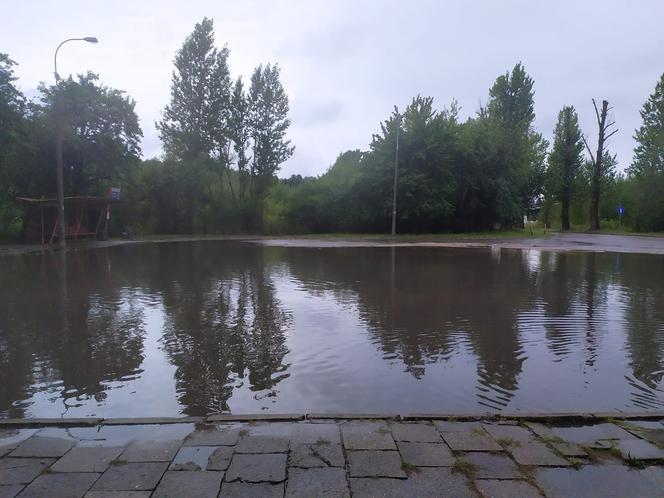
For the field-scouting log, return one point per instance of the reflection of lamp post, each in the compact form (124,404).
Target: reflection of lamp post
(58,143)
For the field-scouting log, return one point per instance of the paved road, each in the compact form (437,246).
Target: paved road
(334,458)
(552,242)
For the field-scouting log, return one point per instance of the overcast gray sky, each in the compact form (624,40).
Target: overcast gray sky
(345,64)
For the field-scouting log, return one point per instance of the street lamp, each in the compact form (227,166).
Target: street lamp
(58,142)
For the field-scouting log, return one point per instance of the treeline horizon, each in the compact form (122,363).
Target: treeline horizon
(225,141)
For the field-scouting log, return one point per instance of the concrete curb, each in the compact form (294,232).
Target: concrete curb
(569,418)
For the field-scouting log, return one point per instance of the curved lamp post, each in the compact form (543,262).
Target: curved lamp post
(58,143)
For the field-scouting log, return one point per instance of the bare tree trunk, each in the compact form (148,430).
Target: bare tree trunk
(597,166)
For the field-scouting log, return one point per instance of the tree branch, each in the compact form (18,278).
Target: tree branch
(599,122)
(611,134)
(587,146)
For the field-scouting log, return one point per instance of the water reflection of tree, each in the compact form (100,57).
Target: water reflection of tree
(574,292)
(575,289)
(435,304)
(223,323)
(66,327)
(642,277)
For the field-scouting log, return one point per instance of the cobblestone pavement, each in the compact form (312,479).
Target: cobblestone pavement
(335,458)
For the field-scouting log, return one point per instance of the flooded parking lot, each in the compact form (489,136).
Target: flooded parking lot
(212,326)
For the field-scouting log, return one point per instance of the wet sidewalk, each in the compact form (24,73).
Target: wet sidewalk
(326,456)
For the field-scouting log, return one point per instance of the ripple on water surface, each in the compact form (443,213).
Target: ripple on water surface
(195,328)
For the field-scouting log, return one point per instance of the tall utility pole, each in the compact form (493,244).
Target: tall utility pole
(58,143)
(396,175)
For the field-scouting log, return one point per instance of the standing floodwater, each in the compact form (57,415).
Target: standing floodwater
(201,327)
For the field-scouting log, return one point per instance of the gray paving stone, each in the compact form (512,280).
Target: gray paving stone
(570,450)
(118,494)
(425,483)
(367,435)
(476,440)
(426,454)
(322,483)
(10,491)
(151,451)
(643,425)
(313,433)
(381,488)
(251,490)
(138,476)
(639,449)
(375,464)
(220,459)
(193,457)
(542,430)
(123,435)
(267,467)
(415,433)
(509,433)
(493,466)
(263,444)
(43,447)
(213,437)
(283,429)
(189,484)
(589,435)
(507,489)
(536,453)
(71,485)
(86,460)
(10,438)
(317,455)
(22,470)
(601,481)
(655,436)
(446,426)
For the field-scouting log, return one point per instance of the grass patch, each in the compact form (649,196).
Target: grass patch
(635,463)
(508,442)
(465,468)
(409,468)
(244,433)
(576,463)
(322,442)
(478,431)
(551,440)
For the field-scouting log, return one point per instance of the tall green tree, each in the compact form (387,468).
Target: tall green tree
(195,120)
(426,184)
(12,140)
(239,132)
(649,152)
(646,173)
(269,122)
(565,160)
(520,151)
(102,135)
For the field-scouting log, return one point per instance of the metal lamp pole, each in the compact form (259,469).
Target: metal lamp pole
(396,173)
(58,142)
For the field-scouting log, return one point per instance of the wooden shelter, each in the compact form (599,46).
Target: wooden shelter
(85,216)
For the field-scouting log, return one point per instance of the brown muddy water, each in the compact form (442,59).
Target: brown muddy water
(204,327)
